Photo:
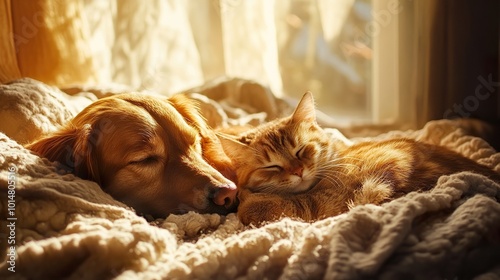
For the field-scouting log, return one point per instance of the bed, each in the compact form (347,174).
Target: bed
(55,225)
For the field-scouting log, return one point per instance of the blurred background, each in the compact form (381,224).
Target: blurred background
(396,62)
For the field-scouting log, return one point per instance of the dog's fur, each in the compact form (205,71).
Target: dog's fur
(156,155)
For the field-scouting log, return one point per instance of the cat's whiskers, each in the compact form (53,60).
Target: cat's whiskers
(336,158)
(335,170)
(344,158)
(333,179)
(342,167)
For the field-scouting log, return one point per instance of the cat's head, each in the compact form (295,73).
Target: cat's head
(283,156)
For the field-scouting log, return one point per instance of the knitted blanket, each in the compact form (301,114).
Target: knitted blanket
(55,225)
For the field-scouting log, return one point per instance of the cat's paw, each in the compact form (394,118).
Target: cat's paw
(257,209)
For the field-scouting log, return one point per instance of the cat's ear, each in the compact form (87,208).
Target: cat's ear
(305,111)
(233,148)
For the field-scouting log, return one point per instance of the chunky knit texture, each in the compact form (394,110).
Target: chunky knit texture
(68,227)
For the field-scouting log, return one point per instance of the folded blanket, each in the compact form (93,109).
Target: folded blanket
(55,225)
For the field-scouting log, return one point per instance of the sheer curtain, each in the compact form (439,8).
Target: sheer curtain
(170,45)
(160,45)
(429,56)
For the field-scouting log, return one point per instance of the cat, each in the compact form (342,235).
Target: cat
(292,167)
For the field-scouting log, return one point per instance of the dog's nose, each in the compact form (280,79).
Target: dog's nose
(225,196)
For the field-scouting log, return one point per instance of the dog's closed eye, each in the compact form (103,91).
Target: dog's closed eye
(147,160)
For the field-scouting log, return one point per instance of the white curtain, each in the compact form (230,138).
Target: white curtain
(171,45)
(168,46)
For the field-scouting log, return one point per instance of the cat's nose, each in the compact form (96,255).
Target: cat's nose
(297,171)
(225,195)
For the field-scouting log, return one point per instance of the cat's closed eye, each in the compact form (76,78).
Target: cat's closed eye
(300,152)
(274,168)
(306,151)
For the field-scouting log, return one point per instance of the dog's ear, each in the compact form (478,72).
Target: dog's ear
(72,148)
(190,109)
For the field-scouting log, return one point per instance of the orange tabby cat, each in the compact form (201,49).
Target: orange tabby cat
(292,167)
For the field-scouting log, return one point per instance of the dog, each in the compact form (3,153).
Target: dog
(156,155)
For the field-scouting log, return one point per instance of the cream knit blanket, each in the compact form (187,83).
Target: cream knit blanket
(56,225)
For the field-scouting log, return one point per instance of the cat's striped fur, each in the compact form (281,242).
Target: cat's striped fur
(291,167)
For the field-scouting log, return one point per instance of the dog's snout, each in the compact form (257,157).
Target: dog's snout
(225,195)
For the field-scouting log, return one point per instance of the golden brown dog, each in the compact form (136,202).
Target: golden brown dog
(156,155)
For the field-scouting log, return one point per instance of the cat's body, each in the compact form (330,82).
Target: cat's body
(291,167)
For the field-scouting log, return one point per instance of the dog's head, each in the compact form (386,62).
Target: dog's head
(158,156)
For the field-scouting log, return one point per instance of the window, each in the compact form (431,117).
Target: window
(347,53)
(326,48)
